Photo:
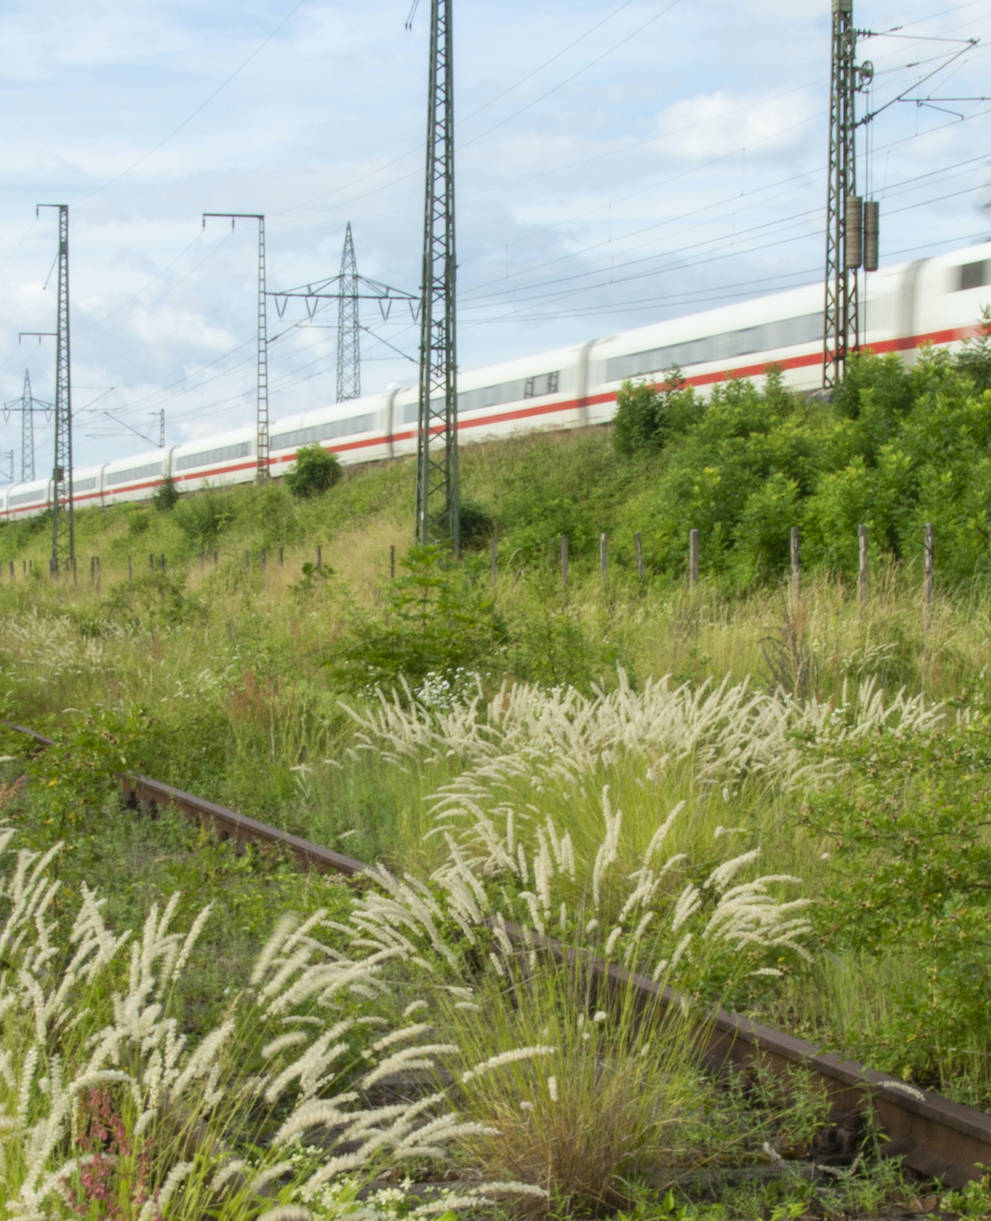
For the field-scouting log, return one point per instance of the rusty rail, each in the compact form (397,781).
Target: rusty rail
(226,823)
(935,1136)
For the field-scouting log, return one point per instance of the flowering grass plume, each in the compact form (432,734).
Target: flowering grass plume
(108,1108)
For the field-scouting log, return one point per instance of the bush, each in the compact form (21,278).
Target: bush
(314,471)
(166,495)
(205,516)
(436,625)
(647,416)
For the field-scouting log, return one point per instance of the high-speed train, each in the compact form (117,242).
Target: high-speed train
(936,300)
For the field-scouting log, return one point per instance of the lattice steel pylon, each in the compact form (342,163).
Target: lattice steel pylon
(261,413)
(437,489)
(348,325)
(841,322)
(27,431)
(63,526)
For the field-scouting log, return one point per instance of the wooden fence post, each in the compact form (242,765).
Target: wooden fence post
(862,569)
(603,555)
(319,556)
(564,560)
(151,561)
(693,557)
(927,563)
(638,543)
(796,571)
(392,561)
(495,561)
(280,556)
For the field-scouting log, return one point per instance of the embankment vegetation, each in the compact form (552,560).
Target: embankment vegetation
(771,794)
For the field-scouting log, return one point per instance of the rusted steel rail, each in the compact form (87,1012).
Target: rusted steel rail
(935,1136)
(226,823)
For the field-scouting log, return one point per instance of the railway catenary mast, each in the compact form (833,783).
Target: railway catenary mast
(261,398)
(437,489)
(845,213)
(63,524)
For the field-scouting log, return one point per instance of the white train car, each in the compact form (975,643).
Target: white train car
(538,392)
(28,499)
(134,478)
(734,341)
(936,300)
(213,461)
(357,431)
(942,297)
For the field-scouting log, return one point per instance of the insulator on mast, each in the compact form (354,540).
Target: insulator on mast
(853,238)
(872,227)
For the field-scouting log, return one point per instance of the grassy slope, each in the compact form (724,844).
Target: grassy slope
(221,677)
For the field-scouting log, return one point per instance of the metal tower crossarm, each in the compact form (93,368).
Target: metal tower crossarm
(262,446)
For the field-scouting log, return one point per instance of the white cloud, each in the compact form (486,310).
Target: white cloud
(721,123)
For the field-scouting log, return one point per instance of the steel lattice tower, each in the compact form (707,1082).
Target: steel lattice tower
(348,333)
(437,491)
(262,446)
(27,431)
(63,526)
(841,321)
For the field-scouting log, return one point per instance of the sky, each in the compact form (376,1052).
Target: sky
(618,162)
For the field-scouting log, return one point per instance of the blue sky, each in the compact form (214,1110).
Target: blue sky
(617,163)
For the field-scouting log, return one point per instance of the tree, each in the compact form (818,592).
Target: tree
(166,495)
(647,416)
(314,471)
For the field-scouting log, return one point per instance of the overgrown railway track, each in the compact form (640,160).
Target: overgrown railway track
(935,1137)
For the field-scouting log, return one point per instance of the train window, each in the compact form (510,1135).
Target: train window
(133,472)
(23,498)
(546,383)
(749,340)
(974,275)
(322,432)
(208,456)
(84,485)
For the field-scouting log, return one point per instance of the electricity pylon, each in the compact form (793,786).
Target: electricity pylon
(26,406)
(261,414)
(27,431)
(348,332)
(347,289)
(63,525)
(437,487)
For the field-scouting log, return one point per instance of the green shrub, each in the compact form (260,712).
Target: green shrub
(647,416)
(204,516)
(436,624)
(314,471)
(166,495)
(906,881)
